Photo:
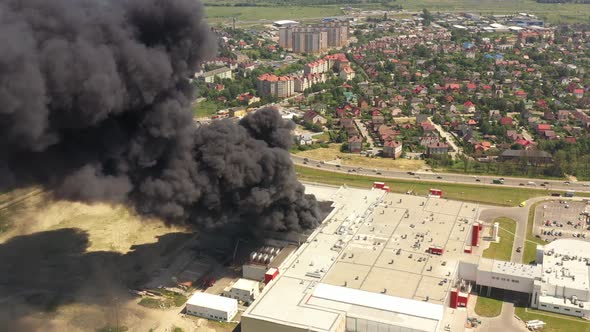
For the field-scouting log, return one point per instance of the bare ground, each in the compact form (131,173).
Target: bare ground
(109,234)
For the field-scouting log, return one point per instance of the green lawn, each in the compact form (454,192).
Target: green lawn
(530,245)
(218,14)
(503,249)
(555,322)
(489,306)
(204,109)
(495,195)
(555,13)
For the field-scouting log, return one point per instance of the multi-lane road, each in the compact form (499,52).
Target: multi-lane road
(548,185)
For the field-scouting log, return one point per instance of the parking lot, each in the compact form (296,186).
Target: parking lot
(562,219)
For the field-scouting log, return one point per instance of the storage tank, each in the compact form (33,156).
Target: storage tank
(495,231)
(475,235)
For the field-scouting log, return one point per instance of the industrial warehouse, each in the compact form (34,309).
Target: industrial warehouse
(347,275)
(390,262)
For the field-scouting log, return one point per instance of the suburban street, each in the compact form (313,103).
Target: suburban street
(450,139)
(447,177)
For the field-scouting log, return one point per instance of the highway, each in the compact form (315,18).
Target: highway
(548,185)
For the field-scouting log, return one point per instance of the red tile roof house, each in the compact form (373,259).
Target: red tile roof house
(437,148)
(506,121)
(392,149)
(355,144)
(482,146)
(469,107)
(541,127)
(523,142)
(579,93)
(520,94)
(427,127)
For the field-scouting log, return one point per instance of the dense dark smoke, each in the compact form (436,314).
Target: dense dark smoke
(94,103)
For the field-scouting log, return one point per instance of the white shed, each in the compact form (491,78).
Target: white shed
(244,290)
(211,306)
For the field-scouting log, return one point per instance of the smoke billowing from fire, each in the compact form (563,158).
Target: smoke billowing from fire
(94,105)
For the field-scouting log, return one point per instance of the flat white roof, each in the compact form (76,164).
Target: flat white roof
(213,301)
(565,263)
(246,284)
(281,22)
(380,301)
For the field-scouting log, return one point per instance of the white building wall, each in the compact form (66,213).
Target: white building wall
(211,313)
(253,272)
(560,309)
(467,271)
(363,325)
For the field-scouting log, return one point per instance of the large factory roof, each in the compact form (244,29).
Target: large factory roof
(510,268)
(566,263)
(379,301)
(369,259)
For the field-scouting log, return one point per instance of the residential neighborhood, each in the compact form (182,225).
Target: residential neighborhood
(461,91)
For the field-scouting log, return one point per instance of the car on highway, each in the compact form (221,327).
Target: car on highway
(519,249)
(521,184)
(378,173)
(439,177)
(477,180)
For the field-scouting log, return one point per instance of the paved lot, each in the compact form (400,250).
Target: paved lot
(562,219)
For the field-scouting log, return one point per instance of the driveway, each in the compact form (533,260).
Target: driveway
(450,139)
(364,131)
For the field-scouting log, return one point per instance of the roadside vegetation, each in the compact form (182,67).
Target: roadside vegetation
(530,245)
(502,250)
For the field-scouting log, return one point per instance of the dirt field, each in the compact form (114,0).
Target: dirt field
(333,154)
(61,262)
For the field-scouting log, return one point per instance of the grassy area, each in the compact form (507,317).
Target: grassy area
(149,302)
(112,329)
(504,196)
(333,152)
(555,322)
(489,306)
(224,14)
(555,13)
(530,245)
(204,109)
(502,250)
(169,299)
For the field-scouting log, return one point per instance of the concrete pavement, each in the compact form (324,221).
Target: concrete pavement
(447,177)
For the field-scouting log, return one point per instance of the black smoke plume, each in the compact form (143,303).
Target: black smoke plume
(94,105)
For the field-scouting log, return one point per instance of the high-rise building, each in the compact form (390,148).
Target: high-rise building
(275,86)
(314,38)
(286,38)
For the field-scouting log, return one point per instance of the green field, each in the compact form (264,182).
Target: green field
(530,245)
(555,13)
(555,322)
(253,15)
(494,195)
(204,109)
(490,306)
(269,10)
(503,249)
